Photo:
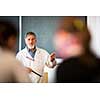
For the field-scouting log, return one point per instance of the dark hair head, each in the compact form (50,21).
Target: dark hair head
(78,27)
(7,29)
(73,24)
(30,33)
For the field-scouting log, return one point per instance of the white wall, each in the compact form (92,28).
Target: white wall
(93,23)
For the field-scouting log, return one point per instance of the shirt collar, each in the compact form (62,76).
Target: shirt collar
(31,50)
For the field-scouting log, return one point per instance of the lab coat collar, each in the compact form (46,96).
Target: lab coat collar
(30,49)
(27,53)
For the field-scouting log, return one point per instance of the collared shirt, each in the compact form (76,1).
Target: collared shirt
(32,53)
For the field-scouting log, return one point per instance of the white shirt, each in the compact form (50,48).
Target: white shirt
(40,60)
(11,70)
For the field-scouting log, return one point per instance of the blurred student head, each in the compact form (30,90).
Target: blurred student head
(72,37)
(11,70)
(81,64)
(8,35)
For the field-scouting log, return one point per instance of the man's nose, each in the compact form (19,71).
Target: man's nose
(31,41)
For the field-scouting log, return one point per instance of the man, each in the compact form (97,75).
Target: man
(81,64)
(11,70)
(34,58)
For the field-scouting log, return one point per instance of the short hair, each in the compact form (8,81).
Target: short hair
(7,29)
(30,33)
(73,24)
(76,26)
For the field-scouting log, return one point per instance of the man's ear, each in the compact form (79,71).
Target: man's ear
(25,40)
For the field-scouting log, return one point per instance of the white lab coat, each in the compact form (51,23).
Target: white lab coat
(40,60)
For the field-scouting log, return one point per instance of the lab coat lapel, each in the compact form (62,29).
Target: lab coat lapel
(27,53)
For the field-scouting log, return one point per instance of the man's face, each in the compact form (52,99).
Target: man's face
(68,43)
(30,41)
